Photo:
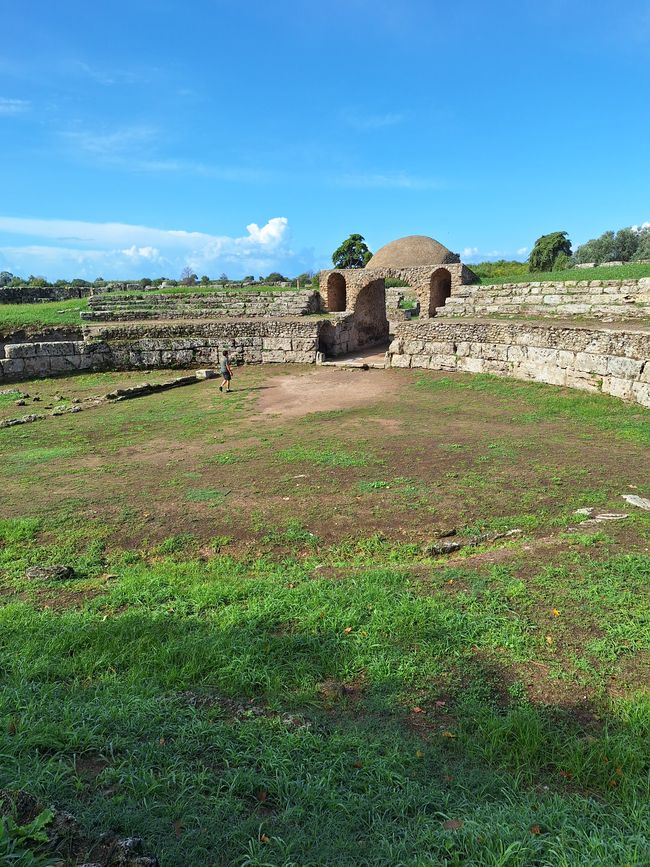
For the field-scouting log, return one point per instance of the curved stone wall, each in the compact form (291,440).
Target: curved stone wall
(593,299)
(615,361)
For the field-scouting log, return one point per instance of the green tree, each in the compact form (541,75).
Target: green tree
(643,248)
(5,278)
(353,253)
(547,249)
(276,277)
(205,280)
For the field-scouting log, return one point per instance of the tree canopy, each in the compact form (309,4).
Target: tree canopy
(547,249)
(353,253)
(626,245)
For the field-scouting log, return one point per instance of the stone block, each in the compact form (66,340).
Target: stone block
(411,347)
(12,366)
(273,356)
(625,368)
(641,393)
(177,358)
(400,360)
(516,354)
(20,350)
(582,380)
(589,362)
(276,343)
(470,365)
(618,387)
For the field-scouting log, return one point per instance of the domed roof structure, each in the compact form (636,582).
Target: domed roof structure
(414,251)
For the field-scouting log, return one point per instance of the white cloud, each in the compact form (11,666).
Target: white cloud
(469,252)
(13,106)
(522,251)
(147,253)
(109,143)
(391,181)
(120,249)
(373,121)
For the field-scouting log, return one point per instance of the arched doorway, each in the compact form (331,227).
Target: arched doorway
(370,321)
(440,289)
(336,293)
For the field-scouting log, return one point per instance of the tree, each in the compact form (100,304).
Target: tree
(276,277)
(188,277)
(643,249)
(248,279)
(37,281)
(145,281)
(353,253)
(547,249)
(5,278)
(205,280)
(223,278)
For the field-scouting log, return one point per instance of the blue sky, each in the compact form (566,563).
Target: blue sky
(243,137)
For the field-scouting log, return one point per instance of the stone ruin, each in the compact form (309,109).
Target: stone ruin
(593,335)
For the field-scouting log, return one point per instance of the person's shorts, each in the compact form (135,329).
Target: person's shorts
(226,376)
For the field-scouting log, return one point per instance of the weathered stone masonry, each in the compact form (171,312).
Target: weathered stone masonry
(615,362)
(159,346)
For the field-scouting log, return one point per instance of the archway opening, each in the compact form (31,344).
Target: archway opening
(336,293)
(440,289)
(370,321)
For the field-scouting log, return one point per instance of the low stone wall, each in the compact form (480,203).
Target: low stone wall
(615,362)
(36,294)
(119,307)
(593,299)
(136,347)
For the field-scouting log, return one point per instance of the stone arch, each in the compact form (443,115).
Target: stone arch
(370,321)
(336,293)
(439,289)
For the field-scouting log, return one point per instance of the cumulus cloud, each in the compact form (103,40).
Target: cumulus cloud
(522,251)
(64,248)
(13,106)
(468,252)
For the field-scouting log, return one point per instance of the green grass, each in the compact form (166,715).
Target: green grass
(315,686)
(629,271)
(537,402)
(46,314)
(197,689)
(325,457)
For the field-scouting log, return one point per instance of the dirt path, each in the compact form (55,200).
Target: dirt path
(326,389)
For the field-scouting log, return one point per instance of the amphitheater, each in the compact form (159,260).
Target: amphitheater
(587,334)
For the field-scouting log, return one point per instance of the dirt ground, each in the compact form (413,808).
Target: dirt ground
(339,453)
(325,389)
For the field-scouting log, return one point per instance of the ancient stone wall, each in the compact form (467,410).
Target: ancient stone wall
(131,347)
(592,299)
(35,294)
(615,362)
(420,280)
(148,305)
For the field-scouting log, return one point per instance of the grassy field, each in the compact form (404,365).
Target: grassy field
(52,313)
(261,660)
(47,313)
(629,271)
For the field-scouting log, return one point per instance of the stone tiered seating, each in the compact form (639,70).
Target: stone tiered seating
(123,307)
(592,299)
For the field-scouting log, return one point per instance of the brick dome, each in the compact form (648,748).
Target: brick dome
(414,251)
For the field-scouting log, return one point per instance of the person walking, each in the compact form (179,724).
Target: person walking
(226,371)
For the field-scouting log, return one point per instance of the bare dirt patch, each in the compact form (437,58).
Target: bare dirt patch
(326,389)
